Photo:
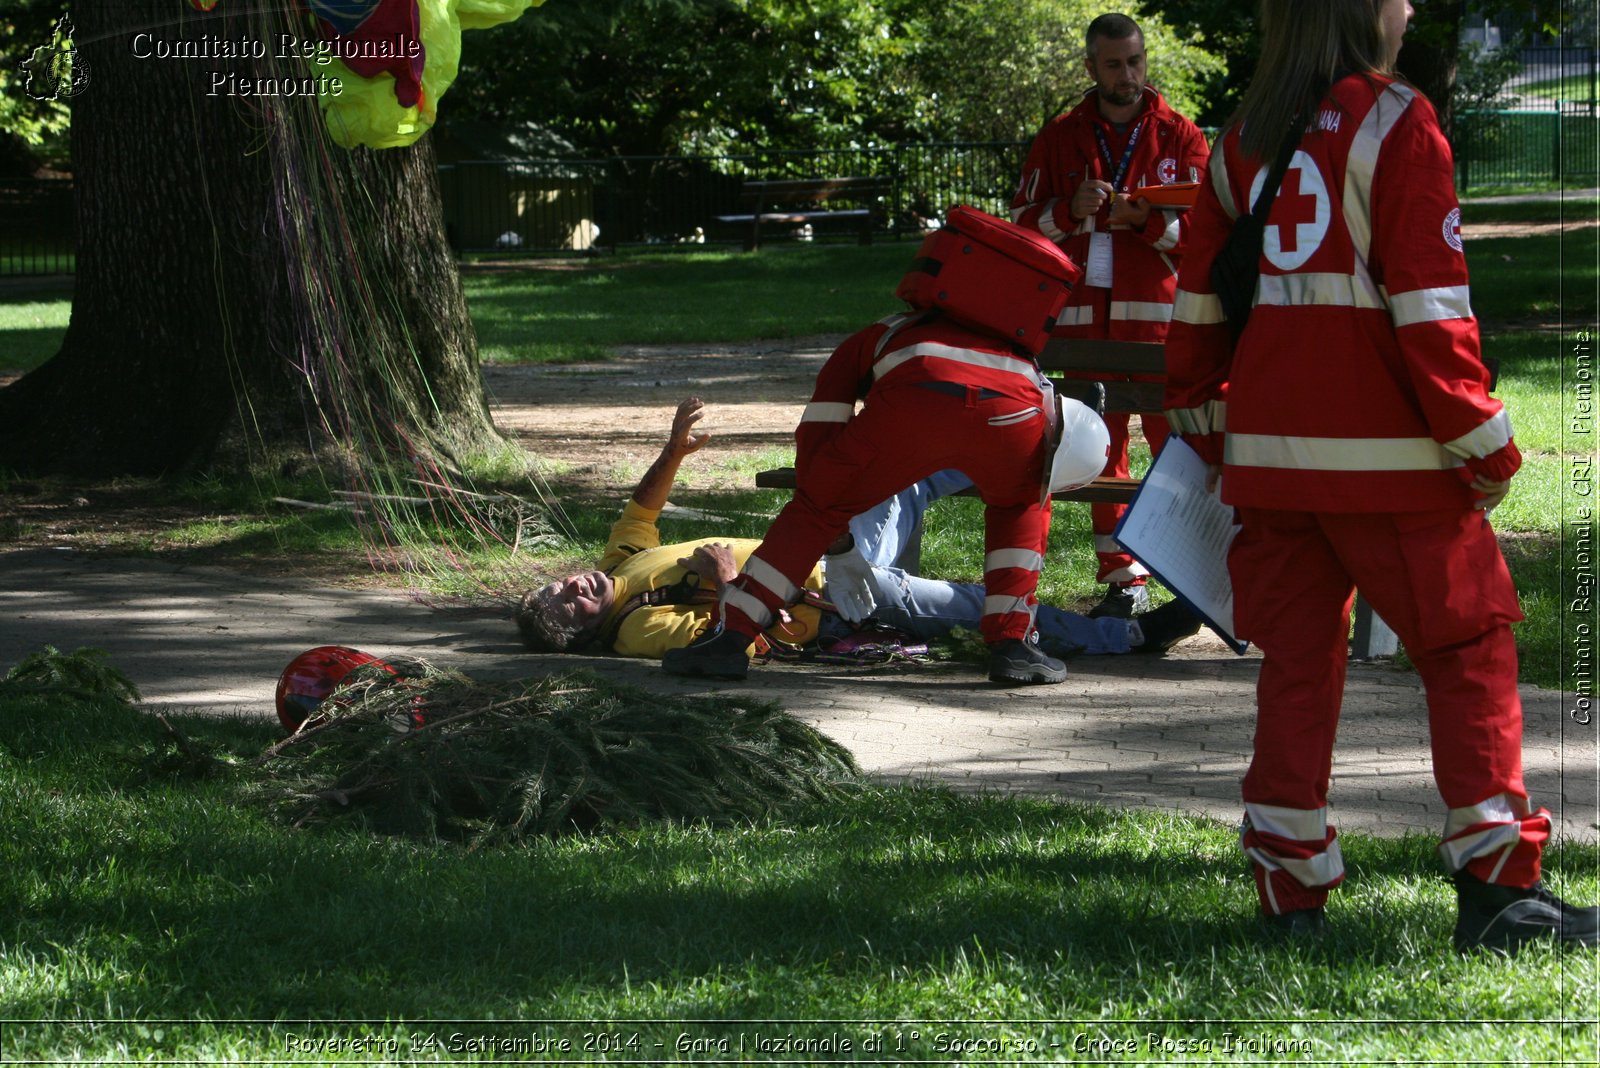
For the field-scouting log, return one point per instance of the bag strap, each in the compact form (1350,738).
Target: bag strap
(685,591)
(1280,167)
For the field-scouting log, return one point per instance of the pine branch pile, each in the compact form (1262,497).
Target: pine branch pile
(439,755)
(82,673)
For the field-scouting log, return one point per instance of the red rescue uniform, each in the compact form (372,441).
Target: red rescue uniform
(1137,305)
(1349,419)
(941,396)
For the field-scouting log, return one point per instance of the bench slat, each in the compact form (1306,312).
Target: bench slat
(797,189)
(793,201)
(796,216)
(1109,358)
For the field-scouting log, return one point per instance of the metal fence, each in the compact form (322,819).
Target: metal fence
(584,205)
(592,205)
(36,227)
(1516,148)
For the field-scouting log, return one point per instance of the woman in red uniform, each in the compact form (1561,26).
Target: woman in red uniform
(1356,437)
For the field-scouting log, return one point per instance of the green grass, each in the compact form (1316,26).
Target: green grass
(144,916)
(1544,278)
(539,315)
(33,319)
(1573,87)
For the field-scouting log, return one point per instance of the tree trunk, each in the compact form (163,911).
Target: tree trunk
(243,284)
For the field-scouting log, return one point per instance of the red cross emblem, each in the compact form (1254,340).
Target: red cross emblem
(1292,208)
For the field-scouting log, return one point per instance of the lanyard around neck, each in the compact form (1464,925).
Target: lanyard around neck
(1127,154)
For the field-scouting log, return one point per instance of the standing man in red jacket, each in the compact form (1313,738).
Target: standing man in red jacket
(1121,136)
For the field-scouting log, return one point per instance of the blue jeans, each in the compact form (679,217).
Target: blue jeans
(883,532)
(928,609)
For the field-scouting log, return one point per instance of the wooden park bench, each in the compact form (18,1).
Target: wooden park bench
(1114,366)
(801,201)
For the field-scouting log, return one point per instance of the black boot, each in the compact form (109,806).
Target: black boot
(1122,602)
(1165,627)
(717,654)
(1013,662)
(1298,925)
(1502,918)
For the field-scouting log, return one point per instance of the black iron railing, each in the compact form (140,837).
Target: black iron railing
(595,205)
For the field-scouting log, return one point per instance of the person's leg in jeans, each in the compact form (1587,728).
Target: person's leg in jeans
(928,609)
(884,532)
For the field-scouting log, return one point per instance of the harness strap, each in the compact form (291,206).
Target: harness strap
(685,591)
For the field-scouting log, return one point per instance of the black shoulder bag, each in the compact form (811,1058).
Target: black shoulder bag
(1238,264)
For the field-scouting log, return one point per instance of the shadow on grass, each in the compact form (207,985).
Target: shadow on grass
(203,908)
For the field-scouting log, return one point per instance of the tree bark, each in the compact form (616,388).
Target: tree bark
(243,285)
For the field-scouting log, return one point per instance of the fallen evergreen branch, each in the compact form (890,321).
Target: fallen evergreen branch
(82,673)
(443,756)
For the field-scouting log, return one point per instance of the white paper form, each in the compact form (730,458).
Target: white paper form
(1182,533)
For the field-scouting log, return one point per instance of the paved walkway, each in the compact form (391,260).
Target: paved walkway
(1170,733)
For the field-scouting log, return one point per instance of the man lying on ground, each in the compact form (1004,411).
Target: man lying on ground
(644,598)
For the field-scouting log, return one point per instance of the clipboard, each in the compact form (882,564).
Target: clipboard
(1178,196)
(1181,534)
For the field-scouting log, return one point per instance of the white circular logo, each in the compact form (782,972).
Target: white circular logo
(1299,219)
(1452,229)
(1167,171)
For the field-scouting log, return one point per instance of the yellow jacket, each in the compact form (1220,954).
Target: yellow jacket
(637,563)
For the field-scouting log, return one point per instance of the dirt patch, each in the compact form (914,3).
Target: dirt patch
(595,428)
(1474,231)
(602,423)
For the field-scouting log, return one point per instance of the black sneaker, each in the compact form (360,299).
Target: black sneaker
(1165,627)
(1122,602)
(721,654)
(1014,662)
(1502,918)
(1295,925)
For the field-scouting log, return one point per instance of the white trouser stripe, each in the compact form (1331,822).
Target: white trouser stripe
(1319,870)
(1457,851)
(1144,311)
(1026,559)
(1335,290)
(772,579)
(1105,543)
(1296,824)
(749,604)
(992,361)
(1124,575)
(1490,436)
(1501,808)
(1430,305)
(1201,309)
(827,412)
(999,605)
(1337,454)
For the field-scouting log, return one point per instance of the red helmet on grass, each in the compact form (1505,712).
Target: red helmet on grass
(312,676)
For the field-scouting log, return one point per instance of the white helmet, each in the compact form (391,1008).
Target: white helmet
(1079,446)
